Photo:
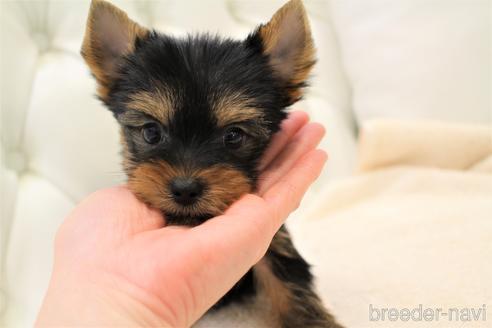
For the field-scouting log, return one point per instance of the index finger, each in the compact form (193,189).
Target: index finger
(289,128)
(286,194)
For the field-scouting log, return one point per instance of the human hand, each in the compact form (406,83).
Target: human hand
(117,263)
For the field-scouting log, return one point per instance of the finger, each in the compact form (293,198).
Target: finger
(289,127)
(285,195)
(246,227)
(304,141)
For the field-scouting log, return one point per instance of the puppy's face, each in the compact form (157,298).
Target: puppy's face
(197,113)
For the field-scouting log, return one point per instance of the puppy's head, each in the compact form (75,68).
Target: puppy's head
(196,113)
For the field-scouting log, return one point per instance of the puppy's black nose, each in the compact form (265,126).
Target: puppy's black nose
(186,191)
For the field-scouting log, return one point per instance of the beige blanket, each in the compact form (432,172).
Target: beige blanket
(407,241)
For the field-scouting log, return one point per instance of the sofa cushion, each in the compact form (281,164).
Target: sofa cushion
(417,59)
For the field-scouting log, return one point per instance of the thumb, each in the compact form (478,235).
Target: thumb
(245,229)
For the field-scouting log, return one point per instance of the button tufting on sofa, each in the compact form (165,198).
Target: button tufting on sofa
(16,160)
(42,41)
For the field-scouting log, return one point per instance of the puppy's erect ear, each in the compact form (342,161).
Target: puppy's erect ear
(109,35)
(287,41)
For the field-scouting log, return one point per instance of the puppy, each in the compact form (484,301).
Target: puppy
(196,115)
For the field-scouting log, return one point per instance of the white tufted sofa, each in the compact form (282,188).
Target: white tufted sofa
(405,59)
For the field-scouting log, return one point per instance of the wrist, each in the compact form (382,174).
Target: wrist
(107,301)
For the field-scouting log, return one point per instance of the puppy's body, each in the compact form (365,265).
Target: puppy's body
(196,115)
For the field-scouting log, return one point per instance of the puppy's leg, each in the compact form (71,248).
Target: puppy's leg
(285,284)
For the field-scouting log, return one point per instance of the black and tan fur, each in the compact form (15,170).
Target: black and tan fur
(203,109)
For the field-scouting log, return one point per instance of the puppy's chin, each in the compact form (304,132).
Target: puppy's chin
(178,219)
(195,214)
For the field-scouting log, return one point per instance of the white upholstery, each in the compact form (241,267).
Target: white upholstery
(58,143)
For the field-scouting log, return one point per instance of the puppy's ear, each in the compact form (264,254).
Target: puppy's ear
(288,43)
(109,35)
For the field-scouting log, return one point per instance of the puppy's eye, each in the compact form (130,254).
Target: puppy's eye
(233,138)
(152,133)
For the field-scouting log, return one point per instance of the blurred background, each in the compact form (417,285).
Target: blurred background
(402,86)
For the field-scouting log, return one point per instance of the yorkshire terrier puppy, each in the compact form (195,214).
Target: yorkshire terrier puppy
(196,115)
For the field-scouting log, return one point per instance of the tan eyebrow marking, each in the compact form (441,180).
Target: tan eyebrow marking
(234,108)
(133,118)
(158,104)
